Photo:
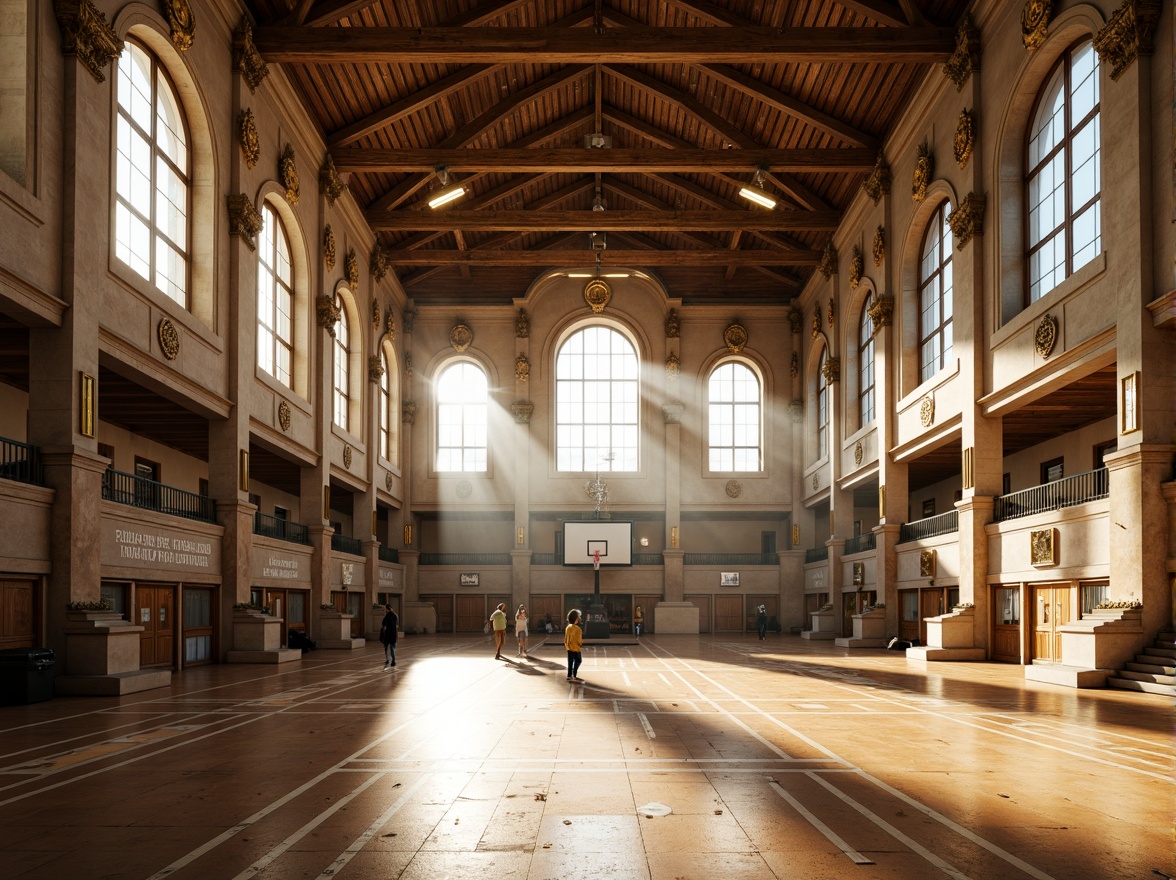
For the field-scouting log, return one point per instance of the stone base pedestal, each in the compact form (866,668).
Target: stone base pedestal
(869,631)
(929,652)
(824,626)
(281,655)
(949,637)
(418,617)
(339,644)
(675,617)
(1067,676)
(102,657)
(257,638)
(114,685)
(334,631)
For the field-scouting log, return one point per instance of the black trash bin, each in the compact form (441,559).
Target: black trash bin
(26,675)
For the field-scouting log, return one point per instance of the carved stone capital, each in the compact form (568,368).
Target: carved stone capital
(327,312)
(882,312)
(1128,34)
(86,34)
(244,219)
(672,412)
(408,412)
(375,369)
(331,184)
(522,411)
(831,369)
(966,57)
(967,219)
(247,61)
(878,183)
(288,174)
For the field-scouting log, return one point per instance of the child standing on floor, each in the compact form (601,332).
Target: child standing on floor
(573,641)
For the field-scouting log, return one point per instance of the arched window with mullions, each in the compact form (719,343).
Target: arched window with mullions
(596,402)
(462,396)
(275,298)
(1064,172)
(152,175)
(866,362)
(733,418)
(389,407)
(822,408)
(342,370)
(935,295)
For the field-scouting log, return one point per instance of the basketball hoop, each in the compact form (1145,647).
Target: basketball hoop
(596,559)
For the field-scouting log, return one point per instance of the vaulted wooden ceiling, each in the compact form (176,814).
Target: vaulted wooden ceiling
(692,96)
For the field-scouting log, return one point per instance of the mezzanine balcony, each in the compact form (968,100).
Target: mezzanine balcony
(280,529)
(147,494)
(1066,492)
(20,462)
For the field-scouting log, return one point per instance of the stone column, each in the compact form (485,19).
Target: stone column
(522,409)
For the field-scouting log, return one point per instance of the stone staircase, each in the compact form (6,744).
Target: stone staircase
(1154,670)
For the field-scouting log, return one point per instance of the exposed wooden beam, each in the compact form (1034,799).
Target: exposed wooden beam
(586,257)
(331,11)
(581,45)
(880,11)
(724,127)
(495,113)
(608,221)
(710,13)
(484,12)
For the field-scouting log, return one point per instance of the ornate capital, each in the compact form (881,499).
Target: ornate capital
(329,247)
(288,174)
(409,318)
(795,320)
(965,139)
(247,61)
(522,325)
(522,411)
(673,325)
(328,313)
(331,184)
(378,265)
(878,183)
(672,412)
(828,264)
(390,324)
(244,219)
(351,269)
(857,266)
(375,369)
(967,219)
(879,246)
(966,57)
(408,412)
(1035,22)
(673,367)
(1128,34)
(250,142)
(86,34)
(882,312)
(924,169)
(522,368)
(831,369)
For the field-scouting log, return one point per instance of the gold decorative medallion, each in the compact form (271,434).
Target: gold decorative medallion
(375,369)
(1043,547)
(522,325)
(351,269)
(460,337)
(673,367)
(247,61)
(858,452)
(924,167)
(733,488)
(284,416)
(408,412)
(522,368)
(388,481)
(169,339)
(329,247)
(831,369)
(828,264)
(288,174)
(464,489)
(966,57)
(378,264)
(795,321)
(1127,34)
(182,23)
(328,313)
(878,183)
(522,411)
(794,367)
(331,184)
(816,482)
(597,294)
(927,411)
(879,246)
(375,314)
(859,575)
(244,220)
(673,325)
(964,139)
(857,266)
(409,318)
(1035,23)
(882,312)
(736,338)
(967,220)
(1045,337)
(87,35)
(347,457)
(250,142)
(927,563)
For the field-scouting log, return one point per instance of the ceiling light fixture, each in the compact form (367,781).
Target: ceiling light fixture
(755,192)
(598,201)
(448,192)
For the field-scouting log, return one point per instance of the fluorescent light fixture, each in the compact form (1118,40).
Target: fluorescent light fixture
(756,193)
(580,274)
(448,192)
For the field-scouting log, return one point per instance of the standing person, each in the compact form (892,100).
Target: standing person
(521,629)
(498,624)
(761,621)
(573,641)
(638,620)
(388,628)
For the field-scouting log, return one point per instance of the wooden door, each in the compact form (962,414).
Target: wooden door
(647,603)
(443,604)
(155,611)
(18,627)
(354,606)
(1006,624)
(703,605)
(909,623)
(471,613)
(1051,610)
(543,607)
(728,614)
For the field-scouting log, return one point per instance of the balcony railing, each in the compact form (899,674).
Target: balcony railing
(942,524)
(816,554)
(858,543)
(1065,492)
(730,559)
(282,529)
(20,462)
(389,554)
(150,495)
(465,559)
(648,559)
(544,559)
(344,544)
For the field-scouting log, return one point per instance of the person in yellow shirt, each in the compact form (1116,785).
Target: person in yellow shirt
(498,625)
(573,641)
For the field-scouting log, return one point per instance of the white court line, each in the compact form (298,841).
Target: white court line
(625,676)
(360,842)
(648,727)
(663,678)
(854,855)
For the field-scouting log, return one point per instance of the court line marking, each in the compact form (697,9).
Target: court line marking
(648,727)
(360,842)
(856,857)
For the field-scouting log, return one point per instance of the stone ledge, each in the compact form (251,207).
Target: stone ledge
(859,643)
(282,655)
(819,636)
(929,652)
(114,685)
(1068,676)
(339,644)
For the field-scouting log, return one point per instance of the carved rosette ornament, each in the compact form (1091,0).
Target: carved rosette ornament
(408,412)
(522,368)
(828,264)
(375,369)
(878,183)
(879,246)
(858,453)
(1045,337)
(347,457)
(284,416)
(328,313)
(329,247)
(672,412)
(247,61)
(857,266)
(378,264)
(965,139)
(522,325)
(597,294)
(794,366)
(795,321)
(351,269)
(967,219)
(460,337)
(966,57)
(169,339)
(331,184)
(673,325)
(244,220)
(927,411)
(409,319)
(464,489)
(881,312)
(288,174)
(1128,34)
(182,23)
(733,488)
(673,367)
(522,411)
(735,336)
(250,142)
(924,168)
(831,369)
(87,35)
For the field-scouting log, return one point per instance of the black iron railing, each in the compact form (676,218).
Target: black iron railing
(465,559)
(942,524)
(389,554)
(20,462)
(730,559)
(648,559)
(858,543)
(345,544)
(282,529)
(544,559)
(150,495)
(816,554)
(1065,492)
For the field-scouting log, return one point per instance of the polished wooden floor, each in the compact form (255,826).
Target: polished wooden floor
(776,759)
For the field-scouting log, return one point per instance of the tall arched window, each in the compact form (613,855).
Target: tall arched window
(866,362)
(388,440)
(596,402)
(152,175)
(935,300)
(342,371)
(822,409)
(275,299)
(462,394)
(1063,172)
(733,396)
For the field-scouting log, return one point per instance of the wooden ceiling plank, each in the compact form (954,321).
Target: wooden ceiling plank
(710,13)
(724,127)
(531,220)
(719,257)
(484,13)
(879,11)
(332,11)
(644,129)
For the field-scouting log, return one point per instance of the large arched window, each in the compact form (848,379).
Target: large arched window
(152,175)
(275,299)
(733,397)
(342,371)
(822,408)
(1063,172)
(462,394)
(596,402)
(935,295)
(389,445)
(866,362)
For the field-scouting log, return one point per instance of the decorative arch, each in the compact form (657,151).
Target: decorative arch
(272,193)
(851,370)
(349,311)
(718,422)
(461,441)
(814,382)
(388,411)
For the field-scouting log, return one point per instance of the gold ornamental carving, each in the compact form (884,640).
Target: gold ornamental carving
(328,313)
(284,416)
(329,247)
(250,142)
(244,220)
(522,368)
(831,369)
(347,457)
(878,183)
(409,319)
(927,411)
(1035,23)
(831,312)
(375,369)
(1128,34)
(597,294)
(673,367)
(816,331)
(182,23)
(522,410)
(967,220)
(375,314)
(351,269)
(331,184)
(460,336)
(1045,337)
(247,61)
(388,481)
(927,563)
(378,264)
(735,336)
(733,488)
(390,324)
(522,325)
(1043,547)
(858,453)
(795,321)
(879,246)
(794,367)
(966,57)
(169,339)
(857,267)
(924,168)
(965,139)
(87,35)
(672,412)
(673,324)
(288,174)
(816,482)
(828,263)
(408,364)
(881,312)
(408,412)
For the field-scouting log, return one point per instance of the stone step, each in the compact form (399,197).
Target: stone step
(1150,665)
(1128,684)
(1154,678)
(1148,655)
(1161,650)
